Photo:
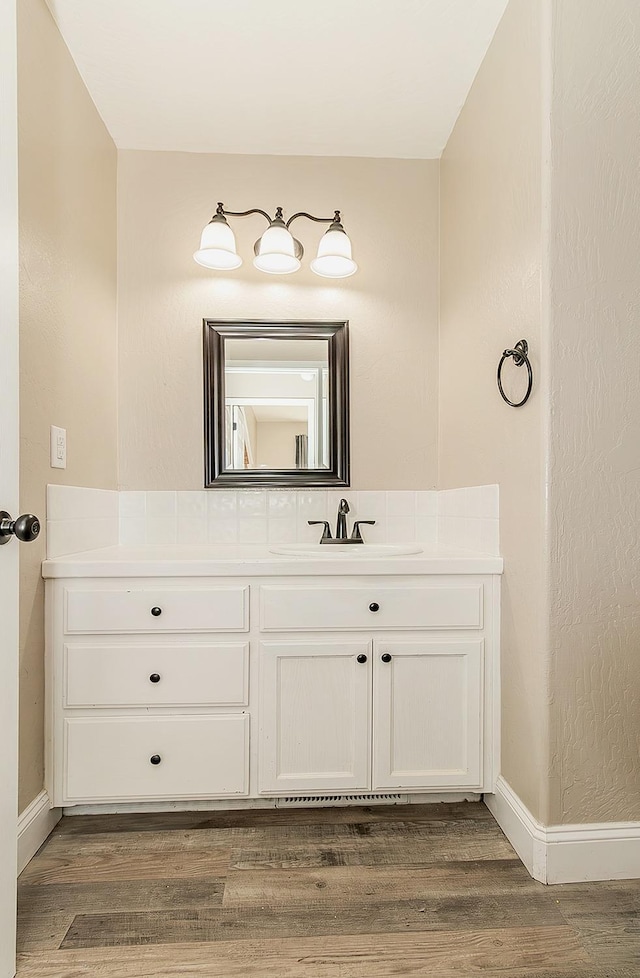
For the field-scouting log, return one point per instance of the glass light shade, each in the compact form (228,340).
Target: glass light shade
(334,256)
(276,252)
(218,247)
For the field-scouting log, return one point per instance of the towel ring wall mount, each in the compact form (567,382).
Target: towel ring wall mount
(519,354)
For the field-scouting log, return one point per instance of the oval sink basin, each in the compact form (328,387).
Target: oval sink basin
(366,550)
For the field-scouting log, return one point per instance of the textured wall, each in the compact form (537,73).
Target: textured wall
(491,213)
(390,209)
(67,213)
(595,432)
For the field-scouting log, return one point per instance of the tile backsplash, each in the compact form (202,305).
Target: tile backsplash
(81,519)
(272,516)
(84,519)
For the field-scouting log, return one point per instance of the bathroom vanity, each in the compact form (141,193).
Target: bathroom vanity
(178,674)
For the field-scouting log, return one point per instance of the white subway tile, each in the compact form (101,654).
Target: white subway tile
(192,504)
(252,529)
(281,503)
(371,504)
(80,503)
(427,529)
(312,505)
(161,506)
(74,536)
(132,504)
(221,503)
(132,531)
(160,530)
(401,529)
(490,536)
(427,503)
(281,531)
(401,504)
(252,502)
(223,531)
(192,530)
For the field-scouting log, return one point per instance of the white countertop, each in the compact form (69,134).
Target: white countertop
(257,561)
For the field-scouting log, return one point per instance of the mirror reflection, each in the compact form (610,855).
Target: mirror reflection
(276,404)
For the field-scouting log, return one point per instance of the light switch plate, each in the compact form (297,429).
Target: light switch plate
(58,447)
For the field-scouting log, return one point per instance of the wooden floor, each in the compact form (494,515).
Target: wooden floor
(429,890)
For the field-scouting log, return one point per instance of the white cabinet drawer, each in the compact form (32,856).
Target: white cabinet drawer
(148,609)
(199,756)
(166,675)
(370,606)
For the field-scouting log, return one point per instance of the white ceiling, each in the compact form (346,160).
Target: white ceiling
(382,78)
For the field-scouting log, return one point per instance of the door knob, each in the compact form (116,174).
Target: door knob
(385,657)
(361,658)
(25,528)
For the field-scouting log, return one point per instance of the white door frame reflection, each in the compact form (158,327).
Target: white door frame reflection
(310,414)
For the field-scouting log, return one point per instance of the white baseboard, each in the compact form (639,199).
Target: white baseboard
(586,852)
(35,824)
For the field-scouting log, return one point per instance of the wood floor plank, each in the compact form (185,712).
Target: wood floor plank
(401,833)
(607,918)
(125,896)
(158,821)
(45,869)
(372,884)
(365,852)
(462,912)
(42,931)
(447,954)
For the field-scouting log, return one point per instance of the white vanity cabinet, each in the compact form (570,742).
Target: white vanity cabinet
(407,706)
(147,690)
(214,686)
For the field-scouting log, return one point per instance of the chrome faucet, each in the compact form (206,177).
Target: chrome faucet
(341,527)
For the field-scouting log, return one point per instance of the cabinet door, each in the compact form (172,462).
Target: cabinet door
(314,716)
(427,714)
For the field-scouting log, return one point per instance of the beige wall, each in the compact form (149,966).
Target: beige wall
(491,213)
(390,209)
(595,432)
(67,212)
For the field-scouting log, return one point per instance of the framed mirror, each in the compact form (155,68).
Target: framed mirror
(276,403)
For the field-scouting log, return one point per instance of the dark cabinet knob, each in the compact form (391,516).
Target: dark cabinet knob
(154,677)
(385,657)
(362,657)
(374,606)
(156,612)
(155,758)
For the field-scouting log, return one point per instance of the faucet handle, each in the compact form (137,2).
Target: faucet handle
(356,535)
(326,533)
(343,507)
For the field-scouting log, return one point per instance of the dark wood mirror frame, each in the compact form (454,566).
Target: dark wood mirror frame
(216,331)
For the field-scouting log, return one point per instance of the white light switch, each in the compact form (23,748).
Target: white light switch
(58,447)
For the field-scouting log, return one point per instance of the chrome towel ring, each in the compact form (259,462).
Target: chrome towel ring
(519,355)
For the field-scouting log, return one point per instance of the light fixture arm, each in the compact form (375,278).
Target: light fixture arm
(319,220)
(221,212)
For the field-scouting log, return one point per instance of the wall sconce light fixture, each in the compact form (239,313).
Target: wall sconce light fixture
(277,251)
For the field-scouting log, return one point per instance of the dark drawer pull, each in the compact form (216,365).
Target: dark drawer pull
(374,606)
(385,657)
(362,657)
(156,612)
(155,759)
(154,677)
